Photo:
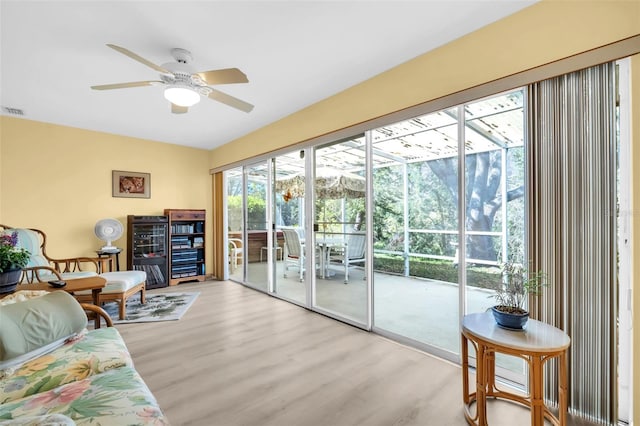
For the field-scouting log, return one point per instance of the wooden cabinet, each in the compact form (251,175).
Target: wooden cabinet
(148,248)
(187,245)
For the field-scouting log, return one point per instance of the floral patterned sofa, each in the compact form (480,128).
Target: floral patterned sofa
(88,378)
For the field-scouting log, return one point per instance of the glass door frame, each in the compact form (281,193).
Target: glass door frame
(267,164)
(272,237)
(461,234)
(310,227)
(227,255)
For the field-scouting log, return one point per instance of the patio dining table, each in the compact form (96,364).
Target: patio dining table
(325,244)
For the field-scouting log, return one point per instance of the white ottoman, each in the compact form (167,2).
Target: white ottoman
(120,286)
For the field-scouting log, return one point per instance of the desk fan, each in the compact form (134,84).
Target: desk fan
(108,230)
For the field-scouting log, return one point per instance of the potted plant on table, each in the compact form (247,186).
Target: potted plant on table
(12,260)
(517,282)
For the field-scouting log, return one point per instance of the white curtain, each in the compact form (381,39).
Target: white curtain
(572,229)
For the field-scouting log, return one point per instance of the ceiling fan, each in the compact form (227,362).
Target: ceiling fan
(184,85)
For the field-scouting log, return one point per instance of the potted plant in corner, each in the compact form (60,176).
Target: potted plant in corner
(517,282)
(12,260)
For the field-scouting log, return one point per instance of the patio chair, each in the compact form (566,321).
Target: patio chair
(352,252)
(236,253)
(42,268)
(294,251)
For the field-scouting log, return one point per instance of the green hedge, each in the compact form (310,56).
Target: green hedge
(441,270)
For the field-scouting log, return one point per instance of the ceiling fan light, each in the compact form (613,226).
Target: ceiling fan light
(181,96)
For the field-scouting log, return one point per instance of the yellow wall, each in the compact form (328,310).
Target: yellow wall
(58,179)
(545,32)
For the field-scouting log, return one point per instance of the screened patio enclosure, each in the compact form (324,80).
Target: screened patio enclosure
(399,186)
(422,155)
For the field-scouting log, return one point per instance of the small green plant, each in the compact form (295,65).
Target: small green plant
(12,257)
(517,283)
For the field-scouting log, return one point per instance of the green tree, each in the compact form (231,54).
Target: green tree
(388,220)
(483,199)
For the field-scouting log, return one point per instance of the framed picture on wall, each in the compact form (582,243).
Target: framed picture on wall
(131,184)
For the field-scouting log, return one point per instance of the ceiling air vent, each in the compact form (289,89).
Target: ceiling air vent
(13,111)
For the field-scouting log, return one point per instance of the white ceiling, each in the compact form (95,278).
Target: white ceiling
(294,53)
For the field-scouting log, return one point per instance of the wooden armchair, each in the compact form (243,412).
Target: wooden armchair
(120,285)
(41,267)
(97,313)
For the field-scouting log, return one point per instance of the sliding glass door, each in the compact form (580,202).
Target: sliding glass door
(339,251)
(416,231)
(257,220)
(235,223)
(289,204)
(422,284)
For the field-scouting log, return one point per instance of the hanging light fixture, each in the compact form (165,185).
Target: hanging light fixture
(181,95)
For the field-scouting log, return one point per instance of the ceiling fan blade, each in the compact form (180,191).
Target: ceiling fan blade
(216,95)
(139,58)
(223,76)
(125,85)
(177,109)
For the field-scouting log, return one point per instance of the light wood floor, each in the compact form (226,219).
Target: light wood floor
(240,357)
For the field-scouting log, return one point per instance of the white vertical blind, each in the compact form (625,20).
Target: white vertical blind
(572,217)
